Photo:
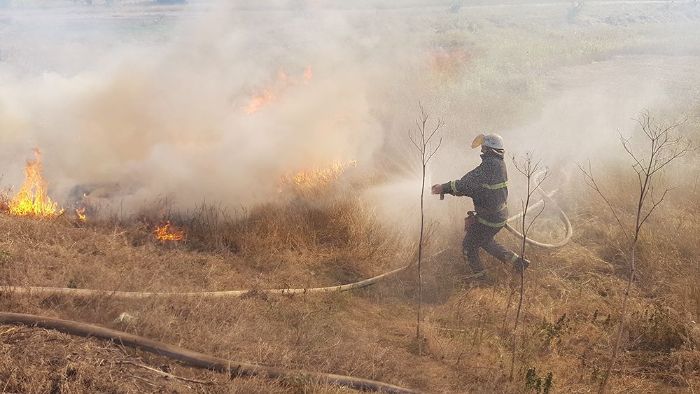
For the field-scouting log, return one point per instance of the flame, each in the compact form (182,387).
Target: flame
(80,213)
(318,178)
(32,199)
(273,92)
(449,62)
(260,100)
(167,232)
(308,74)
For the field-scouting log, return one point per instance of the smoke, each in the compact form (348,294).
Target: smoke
(158,100)
(169,115)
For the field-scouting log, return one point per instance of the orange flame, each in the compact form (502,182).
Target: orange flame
(32,199)
(80,213)
(260,100)
(308,74)
(272,93)
(167,232)
(316,179)
(449,62)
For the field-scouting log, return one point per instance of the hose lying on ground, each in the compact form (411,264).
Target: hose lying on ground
(206,294)
(239,293)
(195,359)
(546,199)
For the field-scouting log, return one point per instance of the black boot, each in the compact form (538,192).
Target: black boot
(477,279)
(521,264)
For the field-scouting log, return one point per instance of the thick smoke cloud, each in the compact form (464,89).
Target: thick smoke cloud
(158,100)
(170,115)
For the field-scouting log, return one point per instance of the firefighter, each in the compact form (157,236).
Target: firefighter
(487,185)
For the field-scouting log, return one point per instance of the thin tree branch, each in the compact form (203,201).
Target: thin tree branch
(435,150)
(662,150)
(165,374)
(590,180)
(654,205)
(426,152)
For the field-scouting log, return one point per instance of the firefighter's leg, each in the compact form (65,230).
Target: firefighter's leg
(498,251)
(474,238)
(492,247)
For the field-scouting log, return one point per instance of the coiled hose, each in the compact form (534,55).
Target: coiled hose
(546,198)
(195,359)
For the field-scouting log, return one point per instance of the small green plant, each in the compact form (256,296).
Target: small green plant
(538,384)
(4,257)
(596,374)
(553,331)
(72,284)
(657,328)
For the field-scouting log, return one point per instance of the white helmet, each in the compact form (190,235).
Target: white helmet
(493,141)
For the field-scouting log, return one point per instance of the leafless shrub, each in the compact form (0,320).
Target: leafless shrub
(422,138)
(534,174)
(663,147)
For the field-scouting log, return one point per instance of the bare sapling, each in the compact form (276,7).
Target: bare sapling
(423,138)
(534,175)
(663,147)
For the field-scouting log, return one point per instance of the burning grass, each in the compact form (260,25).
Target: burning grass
(314,181)
(81,214)
(32,198)
(273,92)
(168,232)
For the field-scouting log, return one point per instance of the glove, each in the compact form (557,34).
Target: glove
(437,189)
(469,221)
(521,264)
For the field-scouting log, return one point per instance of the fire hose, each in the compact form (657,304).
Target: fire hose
(32,290)
(546,199)
(195,359)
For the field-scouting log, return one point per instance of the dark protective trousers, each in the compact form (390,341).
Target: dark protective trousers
(481,236)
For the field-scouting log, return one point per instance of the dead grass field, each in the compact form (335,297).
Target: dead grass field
(571,305)
(572,294)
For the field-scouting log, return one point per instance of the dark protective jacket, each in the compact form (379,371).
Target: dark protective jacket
(487,185)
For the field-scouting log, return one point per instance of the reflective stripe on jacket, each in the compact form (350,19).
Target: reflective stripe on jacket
(487,185)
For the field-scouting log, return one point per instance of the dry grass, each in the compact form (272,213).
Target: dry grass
(570,312)
(571,298)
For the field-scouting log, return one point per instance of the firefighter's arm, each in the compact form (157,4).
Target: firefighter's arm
(460,187)
(437,189)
